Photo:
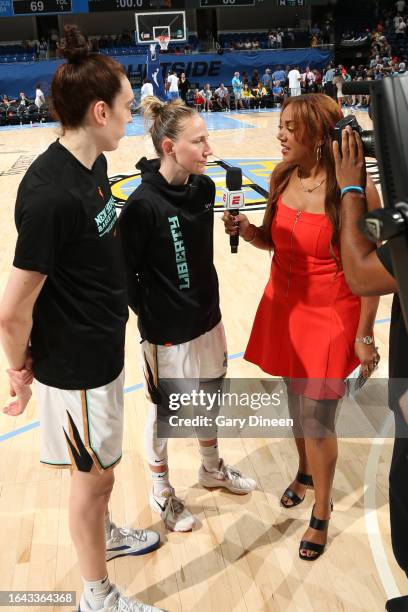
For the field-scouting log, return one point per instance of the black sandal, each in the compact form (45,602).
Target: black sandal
(304,479)
(320,525)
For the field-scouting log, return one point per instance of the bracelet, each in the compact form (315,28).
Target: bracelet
(254,235)
(349,188)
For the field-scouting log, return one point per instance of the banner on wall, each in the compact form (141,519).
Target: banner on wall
(200,68)
(153,72)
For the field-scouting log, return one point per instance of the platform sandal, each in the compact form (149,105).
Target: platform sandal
(320,525)
(303,479)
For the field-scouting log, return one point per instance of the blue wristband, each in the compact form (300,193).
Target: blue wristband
(349,188)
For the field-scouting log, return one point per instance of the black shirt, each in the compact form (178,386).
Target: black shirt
(398,349)
(167,233)
(67,229)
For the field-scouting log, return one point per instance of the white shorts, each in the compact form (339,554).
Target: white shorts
(79,429)
(295,91)
(202,359)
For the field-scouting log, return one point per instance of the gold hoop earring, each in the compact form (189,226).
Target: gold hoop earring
(319,153)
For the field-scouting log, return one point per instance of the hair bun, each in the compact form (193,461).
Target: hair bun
(74,46)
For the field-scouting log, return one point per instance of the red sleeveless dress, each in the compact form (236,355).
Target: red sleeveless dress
(306,322)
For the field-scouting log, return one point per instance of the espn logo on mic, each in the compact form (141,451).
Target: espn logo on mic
(233,200)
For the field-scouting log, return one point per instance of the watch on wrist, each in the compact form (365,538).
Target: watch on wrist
(365,339)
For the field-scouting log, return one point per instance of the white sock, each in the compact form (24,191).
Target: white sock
(160,482)
(96,592)
(210,457)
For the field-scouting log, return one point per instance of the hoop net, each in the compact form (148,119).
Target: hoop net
(163,41)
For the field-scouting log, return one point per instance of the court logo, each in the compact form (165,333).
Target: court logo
(256,175)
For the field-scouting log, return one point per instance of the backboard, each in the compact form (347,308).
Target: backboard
(151,25)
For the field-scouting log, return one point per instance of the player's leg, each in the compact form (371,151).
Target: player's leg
(210,352)
(163,500)
(83,430)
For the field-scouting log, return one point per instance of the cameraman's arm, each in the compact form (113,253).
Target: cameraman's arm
(364,272)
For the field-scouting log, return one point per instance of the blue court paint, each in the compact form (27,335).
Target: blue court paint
(214,122)
(17,432)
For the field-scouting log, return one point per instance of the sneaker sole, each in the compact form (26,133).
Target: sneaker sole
(223,486)
(157,511)
(136,553)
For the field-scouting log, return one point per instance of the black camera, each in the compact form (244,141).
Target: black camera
(367,136)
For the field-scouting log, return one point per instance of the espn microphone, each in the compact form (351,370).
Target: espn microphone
(233,200)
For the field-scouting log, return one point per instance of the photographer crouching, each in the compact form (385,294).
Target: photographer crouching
(369,271)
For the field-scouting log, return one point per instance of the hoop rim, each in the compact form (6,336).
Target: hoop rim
(163,40)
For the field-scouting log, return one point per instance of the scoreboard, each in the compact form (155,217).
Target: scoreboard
(220,3)
(9,8)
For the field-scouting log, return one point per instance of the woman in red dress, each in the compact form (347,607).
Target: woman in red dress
(309,328)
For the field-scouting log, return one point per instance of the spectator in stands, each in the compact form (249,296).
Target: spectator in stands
(39,96)
(255,78)
(314,41)
(22,100)
(221,94)
(402,69)
(279,39)
(315,30)
(173,80)
(237,90)
(318,78)
(207,95)
(338,81)
(147,89)
(267,80)
(271,40)
(328,81)
(278,95)
(401,28)
(247,44)
(255,44)
(6,101)
(247,97)
(294,77)
(308,79)
(400,5)
(42,49)
(279,76)
(198,100)
(184,86)
(262,96)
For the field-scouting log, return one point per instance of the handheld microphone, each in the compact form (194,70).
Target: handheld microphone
(233,199)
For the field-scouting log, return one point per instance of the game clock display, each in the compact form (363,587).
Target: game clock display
(214,3)
(95,6)
(41,7)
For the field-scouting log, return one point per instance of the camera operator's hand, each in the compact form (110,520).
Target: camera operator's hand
(350,163)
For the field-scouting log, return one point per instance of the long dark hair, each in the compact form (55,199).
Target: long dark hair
(315,116)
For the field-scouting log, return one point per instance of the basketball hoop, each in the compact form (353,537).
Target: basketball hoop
(163,41)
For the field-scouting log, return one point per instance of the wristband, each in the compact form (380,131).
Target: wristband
(355,188)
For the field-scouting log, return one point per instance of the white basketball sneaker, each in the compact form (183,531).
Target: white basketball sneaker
(171,508)
(133,542)
(116,602)
(228,477)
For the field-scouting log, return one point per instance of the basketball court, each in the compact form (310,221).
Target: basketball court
(242,555)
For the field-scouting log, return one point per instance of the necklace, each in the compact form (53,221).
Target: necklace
(305,189)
